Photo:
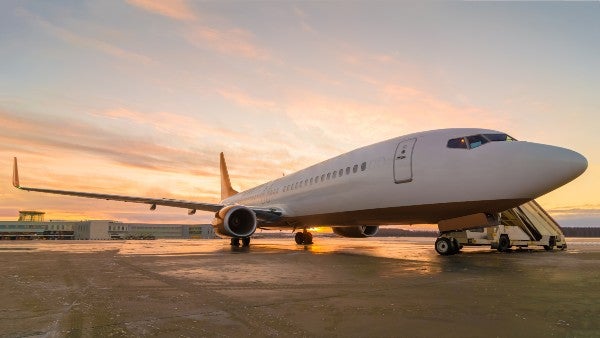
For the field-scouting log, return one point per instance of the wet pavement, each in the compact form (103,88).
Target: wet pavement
(337,287)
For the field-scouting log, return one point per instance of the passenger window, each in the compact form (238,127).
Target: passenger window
(363,166)
(341,172)
(334,174)
(476,141)
(322,177)
(347,170)
(311,180)
(328,175)
(457,143)
(355,168)
(317,179)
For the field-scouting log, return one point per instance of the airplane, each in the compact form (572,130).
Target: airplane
(460,178)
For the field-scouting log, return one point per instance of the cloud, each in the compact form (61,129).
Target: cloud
(245,100)
(587,210)
(175,9)
(232,41)
(83,41)
(302,17)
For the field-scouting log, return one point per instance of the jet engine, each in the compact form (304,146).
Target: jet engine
(235,221)
(361,231)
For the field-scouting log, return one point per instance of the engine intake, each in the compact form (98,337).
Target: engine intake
(235,221)
(361,231)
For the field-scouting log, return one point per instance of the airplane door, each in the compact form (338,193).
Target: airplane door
(403,161)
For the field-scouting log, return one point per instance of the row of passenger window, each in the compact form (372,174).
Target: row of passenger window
(325,177)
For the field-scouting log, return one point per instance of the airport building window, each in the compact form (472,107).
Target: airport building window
(363,166)
(355,168)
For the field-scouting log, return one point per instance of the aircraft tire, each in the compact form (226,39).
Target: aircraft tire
(503,243)
(246,241)
(455,246)
(308,238)
(299,238)
(235,242)
(443,246)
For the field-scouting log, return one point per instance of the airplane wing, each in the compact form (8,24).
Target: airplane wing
(261,213)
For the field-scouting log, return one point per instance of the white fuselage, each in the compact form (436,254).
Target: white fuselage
(416,178)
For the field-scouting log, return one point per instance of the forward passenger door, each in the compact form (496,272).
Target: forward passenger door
(403,161)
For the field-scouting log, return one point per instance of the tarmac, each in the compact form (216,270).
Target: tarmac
(375,287)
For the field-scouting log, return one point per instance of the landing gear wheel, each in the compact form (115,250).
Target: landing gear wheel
(503,243)
(235,242)
(246,241)
(455,246)
(308,238)
(299,238)
(443,246)
(564,247)
(304,237)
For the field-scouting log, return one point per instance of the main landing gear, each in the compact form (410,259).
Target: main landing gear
(235,241)
(446,246)
(303,237)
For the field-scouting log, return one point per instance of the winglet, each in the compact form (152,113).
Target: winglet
(226,189)
(16,175)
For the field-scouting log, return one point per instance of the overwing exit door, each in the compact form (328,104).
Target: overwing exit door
(403,161)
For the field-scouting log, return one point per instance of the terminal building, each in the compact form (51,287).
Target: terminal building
(31,225)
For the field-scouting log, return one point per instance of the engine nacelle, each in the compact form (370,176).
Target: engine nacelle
(235,221)
(361,231)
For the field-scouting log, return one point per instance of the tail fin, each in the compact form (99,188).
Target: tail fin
(226,189)
(15,174)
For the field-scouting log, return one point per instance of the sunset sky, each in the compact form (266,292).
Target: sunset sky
(139,97)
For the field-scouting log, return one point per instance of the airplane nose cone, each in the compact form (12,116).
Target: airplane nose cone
(570,163)
(549,167)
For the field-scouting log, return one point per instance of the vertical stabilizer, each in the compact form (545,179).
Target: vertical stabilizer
(16,174)
(226,189)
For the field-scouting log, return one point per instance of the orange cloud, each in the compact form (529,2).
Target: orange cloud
(175,9)
(234,42)
(243,99)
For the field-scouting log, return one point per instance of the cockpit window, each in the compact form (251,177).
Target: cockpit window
(498,137)
(476,140)
(457,143)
